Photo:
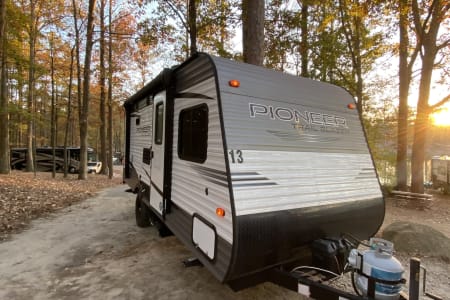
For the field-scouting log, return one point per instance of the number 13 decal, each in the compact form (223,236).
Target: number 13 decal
(236,156)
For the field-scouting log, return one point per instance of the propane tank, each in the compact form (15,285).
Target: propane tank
(377,264)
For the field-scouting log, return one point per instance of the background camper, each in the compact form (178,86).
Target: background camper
(440,173)
(250,168)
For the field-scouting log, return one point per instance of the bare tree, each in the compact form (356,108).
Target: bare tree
(253,31)
(110,107)
(31,87)
(304,37)
(77,55)
(4,115)
(192,16)
(53,105)
(69,111)
(353,27)
(404,80)
(426,31)
(103,150)
(86,82)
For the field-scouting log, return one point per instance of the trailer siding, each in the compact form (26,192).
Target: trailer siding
(180,222)
(200,188)
(300,165)
(140,138)
(297,163)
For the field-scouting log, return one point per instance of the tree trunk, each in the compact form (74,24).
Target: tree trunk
(404,80)
(103,152)
(421,123)
(30,100)
(85,104)
(77,52)
(69,112)
(110,113)
(53,108)
(192,15)
(353,27)
(253,31)
(304,39)
(428,36)
(5,160)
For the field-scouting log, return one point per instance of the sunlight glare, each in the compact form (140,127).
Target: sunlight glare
(441,118)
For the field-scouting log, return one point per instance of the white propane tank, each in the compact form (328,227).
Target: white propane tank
(378,264)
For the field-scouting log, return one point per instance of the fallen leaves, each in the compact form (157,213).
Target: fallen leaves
(25,197)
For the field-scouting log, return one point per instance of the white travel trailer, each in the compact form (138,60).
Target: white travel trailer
(440,173)
(249,167)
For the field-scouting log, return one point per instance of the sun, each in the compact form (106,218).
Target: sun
(441,118)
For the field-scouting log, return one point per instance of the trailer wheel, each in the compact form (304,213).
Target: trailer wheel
(142,212)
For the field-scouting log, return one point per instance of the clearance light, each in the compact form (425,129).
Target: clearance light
(234,83)
(351,106)
(220,212)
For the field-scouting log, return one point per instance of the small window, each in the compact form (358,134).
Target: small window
(146,155)
(159,123)
(193,133)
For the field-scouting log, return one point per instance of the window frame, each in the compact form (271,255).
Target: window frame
(204,143)
(159,124)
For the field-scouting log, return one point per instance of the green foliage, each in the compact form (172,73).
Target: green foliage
(329,25)
(167,31)
(380,124)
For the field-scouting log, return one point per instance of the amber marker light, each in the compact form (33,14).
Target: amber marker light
(220,212)
(234,83)
(351,106)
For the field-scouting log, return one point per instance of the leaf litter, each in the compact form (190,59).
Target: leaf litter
(25,197)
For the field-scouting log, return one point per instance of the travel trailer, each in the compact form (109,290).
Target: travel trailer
(440,173)
(44,158)
(252,169)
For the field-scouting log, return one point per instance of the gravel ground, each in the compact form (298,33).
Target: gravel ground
(93,250)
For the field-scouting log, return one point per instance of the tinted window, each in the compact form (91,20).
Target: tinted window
(146,156)
(159,121)
(193,133)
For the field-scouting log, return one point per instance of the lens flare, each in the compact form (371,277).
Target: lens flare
(441,118)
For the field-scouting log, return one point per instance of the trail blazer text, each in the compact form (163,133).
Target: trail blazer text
(305,120)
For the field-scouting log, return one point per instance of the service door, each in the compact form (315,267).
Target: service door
(157,166)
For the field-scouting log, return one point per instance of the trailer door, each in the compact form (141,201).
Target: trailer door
(157,166)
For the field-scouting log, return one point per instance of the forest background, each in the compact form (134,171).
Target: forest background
(67,66)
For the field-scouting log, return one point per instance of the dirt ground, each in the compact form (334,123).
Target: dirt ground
(93,250)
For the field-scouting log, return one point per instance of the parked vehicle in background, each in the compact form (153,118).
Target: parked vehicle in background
(440,173)
(94,167)
(44,158)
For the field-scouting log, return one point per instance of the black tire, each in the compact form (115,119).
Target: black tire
(142,212)
(72,170)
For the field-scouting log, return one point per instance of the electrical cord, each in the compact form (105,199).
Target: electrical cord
(314,268)
(354,284)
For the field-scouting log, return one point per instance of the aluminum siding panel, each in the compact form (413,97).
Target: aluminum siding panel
(200,188)
(301,179)
(189,179)
(303,163)
(140,138)
(180,222)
